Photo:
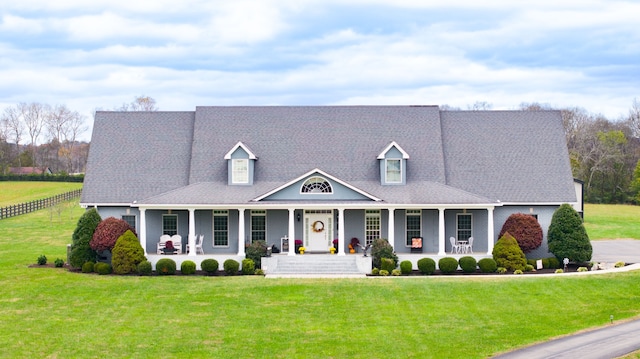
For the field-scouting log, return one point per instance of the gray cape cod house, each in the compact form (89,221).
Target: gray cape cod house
(222,177)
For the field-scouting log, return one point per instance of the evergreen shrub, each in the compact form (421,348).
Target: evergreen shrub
(396,272)
(382,249)
(448,265)
(406,267)
(209,266)
(42,260)
(81,251)
(59,263)
(248,266)
(525,229)
(507,253)
(102,268)
(553,263)
(231,267)
(383,272)
(145,268)
(426,266)
(567,236)
(188,267)
(166,266)
(468,264)
(387,264)
(375,271)
(87,267)
(487,265)
(256,251)
(127,254)
(528,268)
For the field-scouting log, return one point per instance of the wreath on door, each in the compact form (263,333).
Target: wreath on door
(317,226)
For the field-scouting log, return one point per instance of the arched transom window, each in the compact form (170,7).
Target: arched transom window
(316,185)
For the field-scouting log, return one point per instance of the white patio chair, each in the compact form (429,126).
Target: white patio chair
(199,240)
(455,247)
(163,240)
(469,246)
(177,243)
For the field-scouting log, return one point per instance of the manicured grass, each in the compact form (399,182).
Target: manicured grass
(607,221)
(20,192)
(50,312)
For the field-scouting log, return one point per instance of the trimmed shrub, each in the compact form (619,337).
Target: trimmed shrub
(501,270)
(396,272)
(533,262)
(188,267)
(517,271)
(406,267)
(42,260)
(127,254)
(468,264)
(375,271)
(102,268)
(81,251)
(145,268)
(209,266)
(387,264)
(426,266)
(166,266)
(619,264)
(255,252)
(507,253)
(528,268)
(487,265)
(59,263)
(107,233)
(558,271)
(567,236)
(248,266)
(448,265)
(583,269)
(87,267)
(553,263)
(383,272)
(382,249)
(525,229)
(231,267)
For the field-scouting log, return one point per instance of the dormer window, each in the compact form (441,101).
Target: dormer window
(316,185)
(393,165)
(241,163)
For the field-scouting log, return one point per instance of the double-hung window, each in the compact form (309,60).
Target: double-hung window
(413,225)
(130,219)
(464,226)
(220,228)
(240,170)
(372,225)
(393,170)
(170,224)
(258,225)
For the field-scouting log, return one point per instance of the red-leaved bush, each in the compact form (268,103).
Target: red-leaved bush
(107,233)
(525,229)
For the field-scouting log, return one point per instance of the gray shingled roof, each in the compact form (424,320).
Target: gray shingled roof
(455,157)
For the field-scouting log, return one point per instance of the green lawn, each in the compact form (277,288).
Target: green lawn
(606,221)
(20,192)
(50,312)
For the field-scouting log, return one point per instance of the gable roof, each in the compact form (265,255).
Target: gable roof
(456,157)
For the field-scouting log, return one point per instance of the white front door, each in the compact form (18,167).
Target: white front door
(318,230)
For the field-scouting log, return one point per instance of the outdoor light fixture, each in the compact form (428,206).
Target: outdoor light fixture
(298,217)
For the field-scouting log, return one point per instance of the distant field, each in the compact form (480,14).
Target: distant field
(20,192)
(608,221)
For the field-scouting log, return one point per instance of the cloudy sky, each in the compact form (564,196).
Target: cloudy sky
(103,53)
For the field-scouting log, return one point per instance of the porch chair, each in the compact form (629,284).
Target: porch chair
(177,243)
(199,240)
(163,240)
(455,247)
(416,245)
(469,246)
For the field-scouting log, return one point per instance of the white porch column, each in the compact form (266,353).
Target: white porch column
(143,229)
(341,232)
(241,232)
(192,231)
(490,233)
(391,233)
(441,234)
(292,232)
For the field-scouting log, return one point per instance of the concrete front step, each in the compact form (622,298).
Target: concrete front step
(316,264)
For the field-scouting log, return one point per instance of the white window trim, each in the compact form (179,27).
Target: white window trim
(237,176)
(458,224)
(386,170)
(372,213)
(258,213)
(219,213)
(412,213)
(135,220)
(316,180)
(177,222)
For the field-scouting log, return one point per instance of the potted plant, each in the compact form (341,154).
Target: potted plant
(353,246)
(298,244)
(301,250)
(335,244)
(169,248)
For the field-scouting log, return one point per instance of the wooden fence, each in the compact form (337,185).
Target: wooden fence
(28,207)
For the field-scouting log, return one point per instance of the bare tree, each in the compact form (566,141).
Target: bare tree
(34,116)
(14,128)
(634,118)
(480,106)
(140,103)
(64,126)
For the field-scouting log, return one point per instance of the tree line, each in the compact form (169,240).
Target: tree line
(604,153)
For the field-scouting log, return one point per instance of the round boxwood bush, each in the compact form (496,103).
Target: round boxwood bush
(166,266)
(426,266)
(87,267)
(468,264)
(387,264)
(406,267)
(487,265)
(209,266)
(231,267)
(102,268)
(248,266)
(448,265)
(42,260)
(59,263)
(188,267)
(145,268)
(375,271)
